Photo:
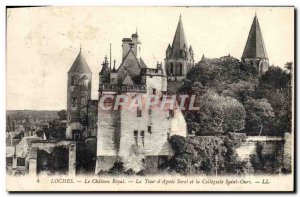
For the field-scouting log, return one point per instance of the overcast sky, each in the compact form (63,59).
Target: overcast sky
(42,43)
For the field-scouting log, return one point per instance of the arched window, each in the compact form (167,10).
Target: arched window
(85,81)
(251,62)
(172,69)
(74,102)
(180,69)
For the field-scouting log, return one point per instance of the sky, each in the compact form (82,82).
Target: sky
(43,42)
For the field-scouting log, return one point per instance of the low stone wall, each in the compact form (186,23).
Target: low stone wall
(248,148)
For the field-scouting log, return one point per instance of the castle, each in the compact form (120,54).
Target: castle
(138,137)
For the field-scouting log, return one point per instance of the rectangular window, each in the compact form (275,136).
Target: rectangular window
(149,129)
(139,112)
(154,91)
(136,137)
(143,137)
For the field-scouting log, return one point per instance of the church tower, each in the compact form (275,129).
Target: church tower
(255,52)
(78,95)
(179,59)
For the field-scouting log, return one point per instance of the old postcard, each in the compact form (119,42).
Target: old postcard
(150,99)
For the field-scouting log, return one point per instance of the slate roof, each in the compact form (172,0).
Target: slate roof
(255,47)
(179,41)
(80,65)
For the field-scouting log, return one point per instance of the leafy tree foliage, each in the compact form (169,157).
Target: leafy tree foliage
(207,155)
(259,115)
(217,115)
(230,78)
(62,114)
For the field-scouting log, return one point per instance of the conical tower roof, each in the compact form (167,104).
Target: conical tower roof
(255,47)
(80,65)
(179,40)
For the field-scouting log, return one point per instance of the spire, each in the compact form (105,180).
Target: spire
(179,40)
(80,65)
(255,47)
(105,66)
(203,58)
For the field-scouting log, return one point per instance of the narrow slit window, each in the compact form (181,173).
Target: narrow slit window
(143,137)
(149,129)
(136,137)
(154,91)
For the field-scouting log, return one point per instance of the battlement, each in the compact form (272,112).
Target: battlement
(123,88)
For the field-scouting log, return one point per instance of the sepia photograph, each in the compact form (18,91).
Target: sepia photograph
(154,99)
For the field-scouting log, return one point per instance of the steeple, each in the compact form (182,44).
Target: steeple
(203,58)
(255,47)
(80,65)
(179,40)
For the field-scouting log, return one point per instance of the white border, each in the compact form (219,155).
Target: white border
(5,3)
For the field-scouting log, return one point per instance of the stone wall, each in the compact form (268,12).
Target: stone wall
(248,148)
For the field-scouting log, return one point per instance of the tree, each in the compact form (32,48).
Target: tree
(276,86)
(217,114)
(197,155)
(241,90)
(62,114)
(259,114)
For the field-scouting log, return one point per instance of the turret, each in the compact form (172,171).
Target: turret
(78,94)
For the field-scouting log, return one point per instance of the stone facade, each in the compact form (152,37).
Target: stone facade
(78,95)
(136,136)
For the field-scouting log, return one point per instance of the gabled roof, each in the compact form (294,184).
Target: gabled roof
(179,40)
(139,62)
(80,65)
(127,80)
(255,47)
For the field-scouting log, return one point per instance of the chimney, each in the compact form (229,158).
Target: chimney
(125,46)
(136,47)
